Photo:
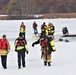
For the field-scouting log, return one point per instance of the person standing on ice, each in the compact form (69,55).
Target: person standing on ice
(21,47)
(47,47)
(4,50)
(44,29)
(51,29)
(23,29)
(35,28)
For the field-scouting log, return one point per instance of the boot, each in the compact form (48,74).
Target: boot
(5,67)
(19,67)
(45,63)
(23,65)
(49,64)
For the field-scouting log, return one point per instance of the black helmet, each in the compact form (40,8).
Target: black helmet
(43,23)
(4,36)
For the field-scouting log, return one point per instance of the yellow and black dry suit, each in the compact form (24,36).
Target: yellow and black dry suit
(51,29)
(44,30)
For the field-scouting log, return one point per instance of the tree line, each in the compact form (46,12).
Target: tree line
(28,7)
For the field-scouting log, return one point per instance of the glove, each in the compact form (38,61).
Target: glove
(7,51)
(27,52)
(15,50)
(49,51)
(33,45)
(53,50)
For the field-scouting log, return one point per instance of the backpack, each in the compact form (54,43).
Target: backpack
(20,42)
(3,44)
(43,42)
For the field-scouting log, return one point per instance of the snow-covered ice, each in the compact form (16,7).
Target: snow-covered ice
(63,60)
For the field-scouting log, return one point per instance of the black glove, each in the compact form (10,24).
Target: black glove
(15,50)
(49,51)
(32,44)
(53,50)
(7,51)
(27,52)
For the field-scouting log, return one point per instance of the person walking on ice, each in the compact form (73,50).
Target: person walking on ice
(23,29)
(21,47)
(35,28)
(47,47)
(4,50)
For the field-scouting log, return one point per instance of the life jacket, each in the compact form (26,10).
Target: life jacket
(50,30)
(3,44)
(20,42)
(43,42)
(23,26)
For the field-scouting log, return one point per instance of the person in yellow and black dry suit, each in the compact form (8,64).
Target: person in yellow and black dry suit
(47,47)
(21,47)
(44,29)
(4,50)
(23,29)
(51,29)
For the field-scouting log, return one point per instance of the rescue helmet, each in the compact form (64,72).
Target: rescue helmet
(22,23)
(4,36)
(43,23)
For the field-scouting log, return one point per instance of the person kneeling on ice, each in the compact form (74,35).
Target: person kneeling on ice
(47,47)
(65,31)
